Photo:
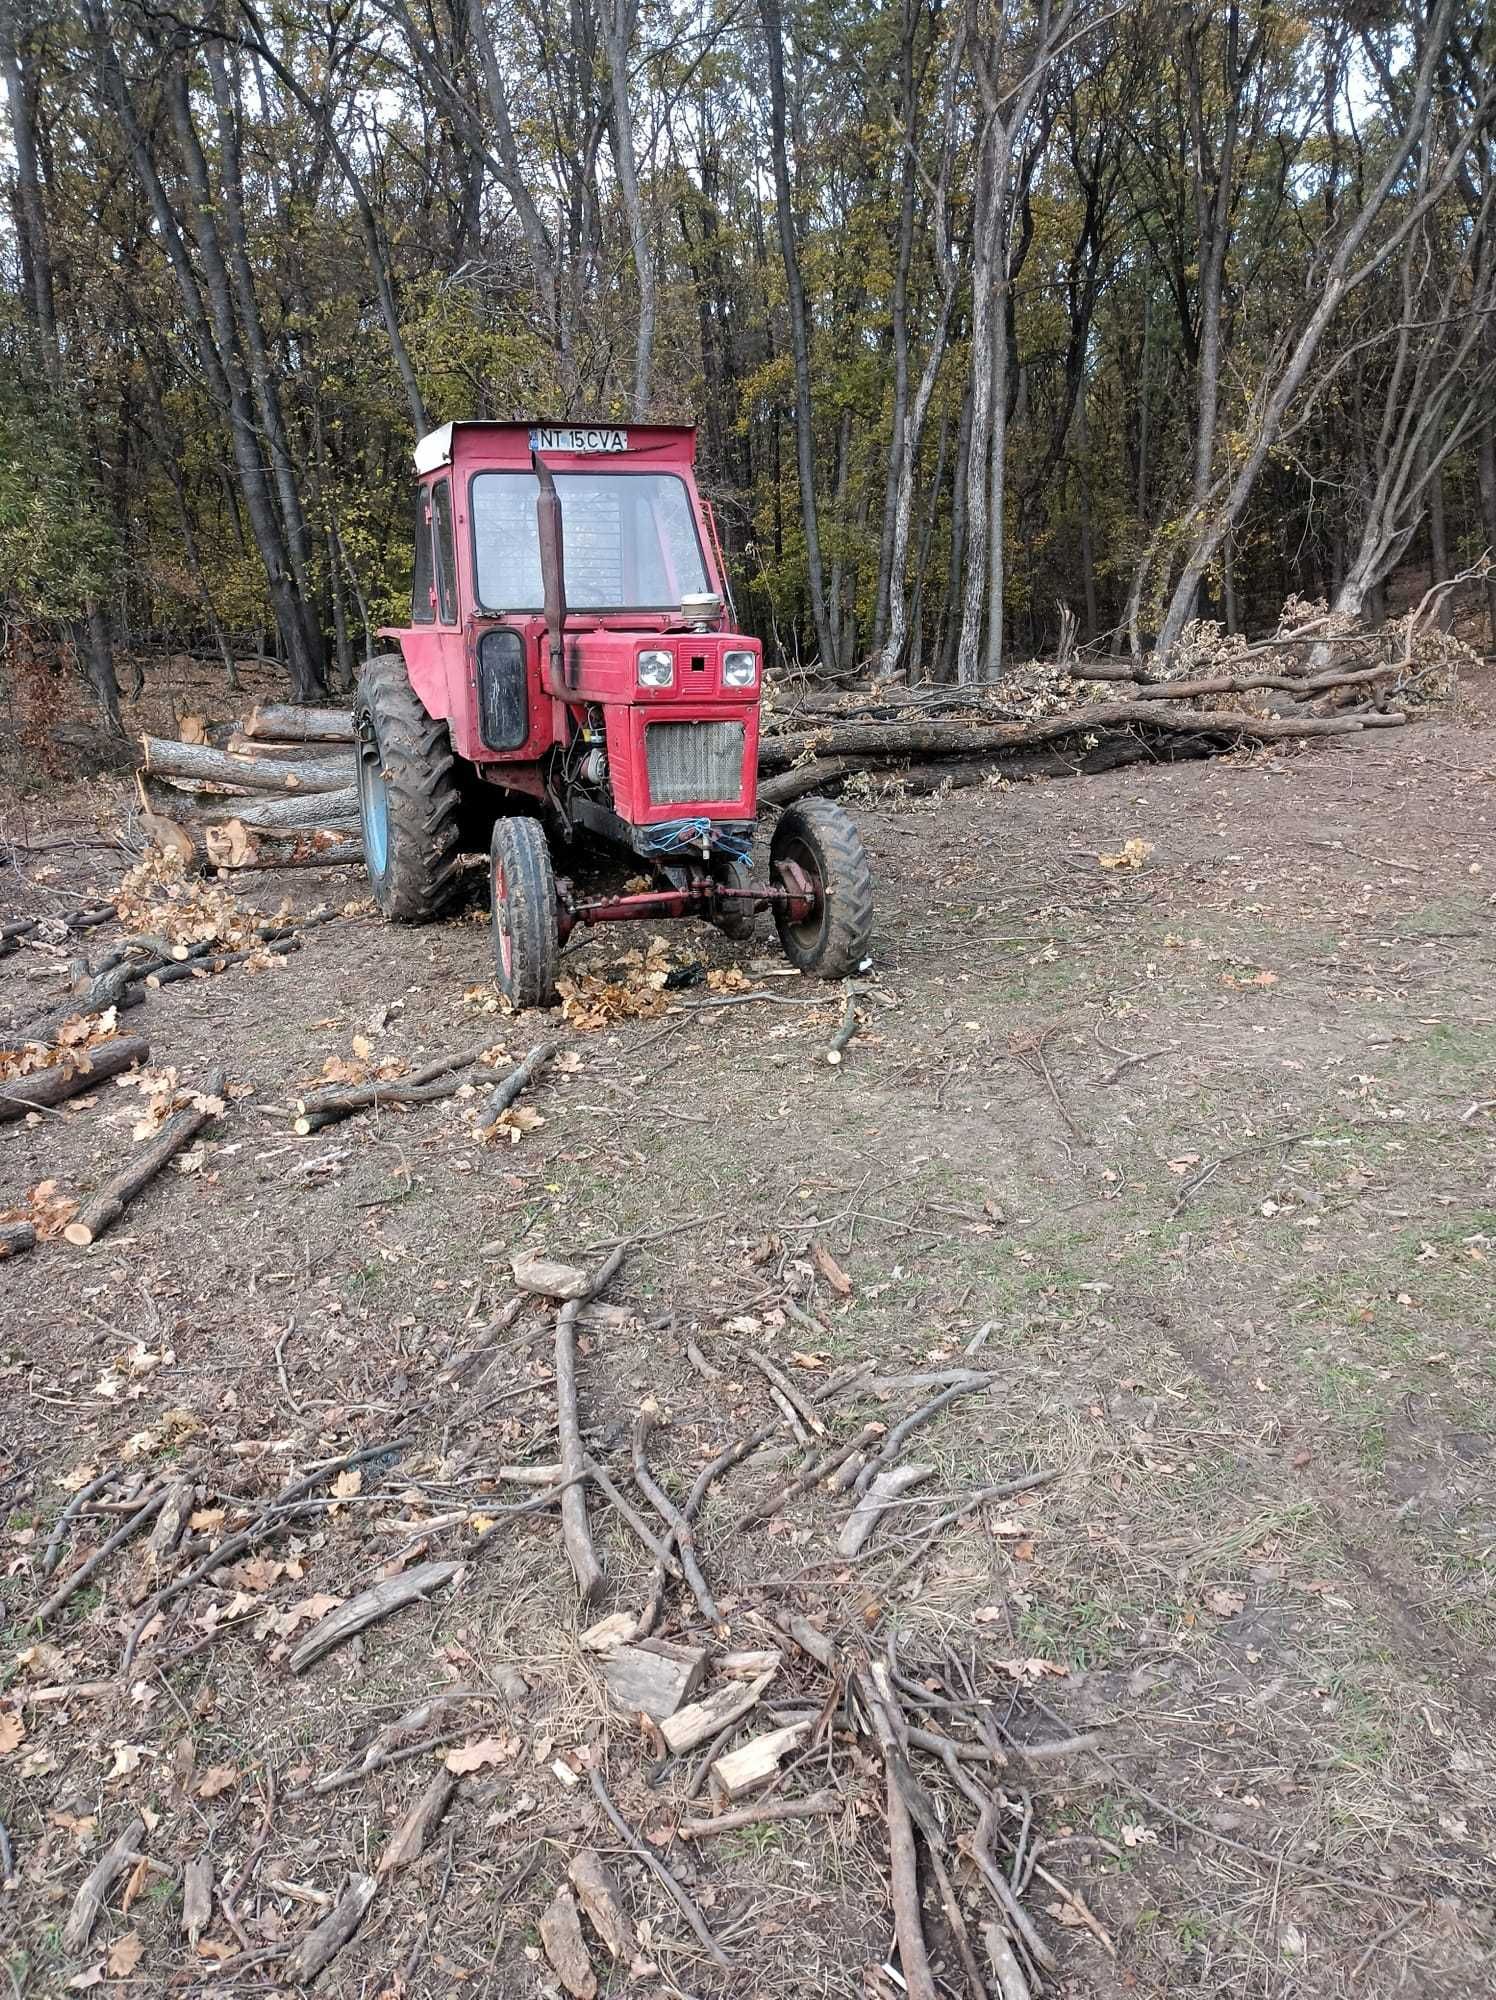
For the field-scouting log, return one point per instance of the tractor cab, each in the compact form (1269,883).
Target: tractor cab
(571,658)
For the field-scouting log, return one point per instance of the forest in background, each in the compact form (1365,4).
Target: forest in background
(1002,324)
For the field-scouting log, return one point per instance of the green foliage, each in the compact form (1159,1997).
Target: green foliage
(58,547)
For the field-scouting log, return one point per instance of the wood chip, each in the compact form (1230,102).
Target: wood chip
(831,1271)
(197,1896)
(609,1632)
(747,1666)
(408,1842)
(546,1278)
(740,1771)
(703,1719)
(561,1935)
(317,1950)
(370,1606)
(597,1893)
(122,1853)
(654,1676)
(884,1490)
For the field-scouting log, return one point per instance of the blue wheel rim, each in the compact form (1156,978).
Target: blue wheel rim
(374,809)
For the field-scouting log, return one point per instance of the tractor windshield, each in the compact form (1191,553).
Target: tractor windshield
(631,541)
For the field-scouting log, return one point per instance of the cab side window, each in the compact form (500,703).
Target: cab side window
(422,610)
(446,552)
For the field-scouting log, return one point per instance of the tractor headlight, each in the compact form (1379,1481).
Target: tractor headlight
(739,670)
(656,670)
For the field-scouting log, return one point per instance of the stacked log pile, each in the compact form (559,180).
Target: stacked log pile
(279,791)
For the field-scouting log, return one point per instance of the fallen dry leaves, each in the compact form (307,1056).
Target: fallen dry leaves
(477,1755)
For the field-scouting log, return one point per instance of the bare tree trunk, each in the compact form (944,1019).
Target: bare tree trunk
(1087,529)
(293,614)
(1342,276)
(1487,469)
(619,17)
(1439,549)
(799,332)
(261,369)
(32,215)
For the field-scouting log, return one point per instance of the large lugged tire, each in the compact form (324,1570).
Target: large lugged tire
(816,839)
(526,940)
(408,795)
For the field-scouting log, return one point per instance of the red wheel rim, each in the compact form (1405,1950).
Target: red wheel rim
(501,919)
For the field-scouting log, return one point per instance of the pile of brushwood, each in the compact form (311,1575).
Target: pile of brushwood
(715,1709)
(1318,675)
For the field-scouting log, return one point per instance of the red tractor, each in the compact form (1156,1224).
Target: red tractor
(570,674)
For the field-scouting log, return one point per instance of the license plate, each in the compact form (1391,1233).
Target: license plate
(580,438)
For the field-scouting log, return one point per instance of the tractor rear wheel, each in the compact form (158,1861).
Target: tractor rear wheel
(816,844)
(409,798)
(526,938)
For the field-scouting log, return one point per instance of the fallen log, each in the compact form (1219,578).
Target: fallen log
(340,854)
(16,1238)
(82,1070)
(164,757)
(240,745)
(293,724)
(110,1203)
(334,812)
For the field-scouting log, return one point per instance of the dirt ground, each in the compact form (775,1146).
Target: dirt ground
(1198,1158)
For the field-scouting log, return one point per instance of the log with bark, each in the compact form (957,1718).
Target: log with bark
(199,763)
(288,723)
(16,1238)
(333,812)
(81,1070)
(146,1161)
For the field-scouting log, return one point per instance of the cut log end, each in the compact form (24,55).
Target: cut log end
(78,1233)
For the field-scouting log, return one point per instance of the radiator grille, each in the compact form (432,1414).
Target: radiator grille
(694,761)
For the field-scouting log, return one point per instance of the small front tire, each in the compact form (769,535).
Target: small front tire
(526,936)
(815,842)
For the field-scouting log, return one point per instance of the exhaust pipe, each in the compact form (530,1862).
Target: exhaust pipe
(552,568)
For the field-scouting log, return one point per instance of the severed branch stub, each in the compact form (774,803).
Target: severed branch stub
(316,1951)
(575,1532)
(147,1160)
(519,1079)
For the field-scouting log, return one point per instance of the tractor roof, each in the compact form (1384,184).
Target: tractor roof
(474,445)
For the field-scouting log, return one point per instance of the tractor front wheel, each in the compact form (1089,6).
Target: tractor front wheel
(526,937)
(817,853)
(409,799)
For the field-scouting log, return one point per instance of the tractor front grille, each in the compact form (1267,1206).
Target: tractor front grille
(694,762)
